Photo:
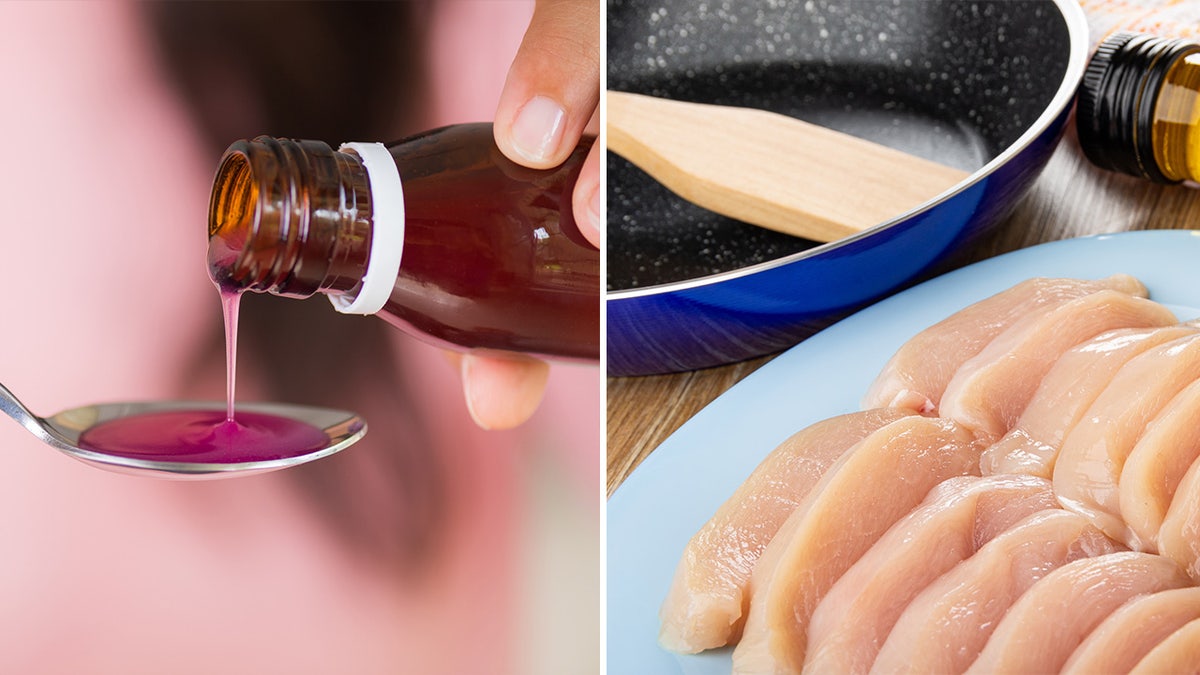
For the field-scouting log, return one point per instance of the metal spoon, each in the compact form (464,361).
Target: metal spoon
(62,431)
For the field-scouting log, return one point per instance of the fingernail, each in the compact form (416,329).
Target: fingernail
(538,129)
(467,362)
(593,212)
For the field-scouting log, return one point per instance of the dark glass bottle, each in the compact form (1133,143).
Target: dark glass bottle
(463,247)
(1139,107)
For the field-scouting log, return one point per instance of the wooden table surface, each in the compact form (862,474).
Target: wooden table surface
(1071,198)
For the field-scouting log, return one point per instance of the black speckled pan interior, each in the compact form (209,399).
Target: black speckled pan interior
(949,80)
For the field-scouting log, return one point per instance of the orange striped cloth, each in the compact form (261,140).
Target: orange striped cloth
(1166,18)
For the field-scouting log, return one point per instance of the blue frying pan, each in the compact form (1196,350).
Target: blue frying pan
(984,86)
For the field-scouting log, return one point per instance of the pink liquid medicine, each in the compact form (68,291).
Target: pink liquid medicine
(207,436)
(204,436)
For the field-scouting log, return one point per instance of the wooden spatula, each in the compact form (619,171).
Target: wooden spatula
(769,169)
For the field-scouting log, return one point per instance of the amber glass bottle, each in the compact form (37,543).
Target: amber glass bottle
(438,234)
(1139,107)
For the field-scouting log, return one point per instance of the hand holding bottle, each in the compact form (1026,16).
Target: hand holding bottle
(551,97)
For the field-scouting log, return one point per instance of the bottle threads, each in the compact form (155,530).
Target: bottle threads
(1139,107)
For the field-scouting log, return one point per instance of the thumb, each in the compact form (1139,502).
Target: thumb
(553,85)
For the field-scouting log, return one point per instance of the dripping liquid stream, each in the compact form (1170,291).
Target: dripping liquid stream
(230,303)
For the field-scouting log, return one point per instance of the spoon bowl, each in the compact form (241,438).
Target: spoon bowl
(63,430)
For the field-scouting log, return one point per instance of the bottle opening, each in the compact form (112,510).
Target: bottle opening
(234,195)
(287,217)
(1132,97)
(231,215)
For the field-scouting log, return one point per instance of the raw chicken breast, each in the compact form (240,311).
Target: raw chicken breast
(946,626)
(958,516)
(1048,622)
(1093,453)
(1179,536)
(1179,654)
(1168,447)
(871,486)
(1070,386)
(991,389)
(918,372)
(1124,638)
(707,601)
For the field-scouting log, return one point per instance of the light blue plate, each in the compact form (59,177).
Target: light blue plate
(654,513)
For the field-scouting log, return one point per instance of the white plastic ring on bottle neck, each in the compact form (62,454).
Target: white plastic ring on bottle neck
(387,230)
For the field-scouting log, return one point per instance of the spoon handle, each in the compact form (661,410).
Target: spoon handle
(17,410)
(768,169)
